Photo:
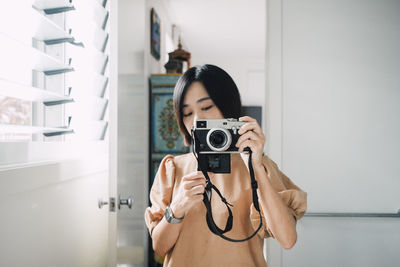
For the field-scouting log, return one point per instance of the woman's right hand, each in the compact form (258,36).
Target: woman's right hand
(190,192)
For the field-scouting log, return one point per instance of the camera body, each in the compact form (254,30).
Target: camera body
(214,142)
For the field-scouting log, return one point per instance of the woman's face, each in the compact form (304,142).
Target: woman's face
(197,104)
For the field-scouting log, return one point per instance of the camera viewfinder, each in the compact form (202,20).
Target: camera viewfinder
(201,124)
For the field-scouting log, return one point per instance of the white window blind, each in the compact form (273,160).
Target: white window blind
(54,70)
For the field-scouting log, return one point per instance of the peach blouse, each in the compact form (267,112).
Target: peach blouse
(196,244)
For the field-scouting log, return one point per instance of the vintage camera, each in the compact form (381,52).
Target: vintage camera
(214,142)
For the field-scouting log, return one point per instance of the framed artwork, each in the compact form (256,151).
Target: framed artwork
(155,34)
(166,137)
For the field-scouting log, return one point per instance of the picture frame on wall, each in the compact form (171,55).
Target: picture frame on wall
(155,34)
(166,137)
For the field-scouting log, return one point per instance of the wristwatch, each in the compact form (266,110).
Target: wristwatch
(169,216)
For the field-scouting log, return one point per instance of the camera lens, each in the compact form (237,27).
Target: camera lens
(218,139)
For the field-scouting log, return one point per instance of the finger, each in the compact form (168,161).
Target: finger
(193,176)
(247,119)
(245,144)
(192,183)
(196,190)
(251,126)
(249,136)
(196,175)
(197,198)
(253,145)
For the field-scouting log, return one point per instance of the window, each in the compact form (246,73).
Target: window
(54,74)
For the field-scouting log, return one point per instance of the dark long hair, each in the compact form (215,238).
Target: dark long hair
(220,87)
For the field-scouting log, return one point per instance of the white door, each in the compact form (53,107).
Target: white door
(126,217)
(333,126)
(127,178)
(128,182)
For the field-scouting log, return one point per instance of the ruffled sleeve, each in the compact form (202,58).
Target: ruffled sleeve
(291,194)
(161,192)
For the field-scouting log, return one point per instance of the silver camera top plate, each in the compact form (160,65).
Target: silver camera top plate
(231,124)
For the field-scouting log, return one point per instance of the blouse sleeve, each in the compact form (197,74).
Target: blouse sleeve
(160,193)
(291,194)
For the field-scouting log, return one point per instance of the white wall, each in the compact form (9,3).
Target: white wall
(248,74)
(239,64)
(131,37)
(333,69)
(134,37)
(229,34)
(154,65)
(49,214)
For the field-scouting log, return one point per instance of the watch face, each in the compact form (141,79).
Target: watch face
(170,217)
(168,214)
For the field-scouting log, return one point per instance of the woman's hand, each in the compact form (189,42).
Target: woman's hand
(190,192)
(252,137)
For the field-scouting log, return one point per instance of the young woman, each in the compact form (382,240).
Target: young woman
(177,218)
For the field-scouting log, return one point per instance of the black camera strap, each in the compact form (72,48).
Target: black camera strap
(207,201)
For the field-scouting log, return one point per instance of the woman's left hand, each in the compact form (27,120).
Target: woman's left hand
(252,137)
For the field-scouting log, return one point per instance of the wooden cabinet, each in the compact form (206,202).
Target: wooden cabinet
(165,137)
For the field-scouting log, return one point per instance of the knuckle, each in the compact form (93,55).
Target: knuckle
(194,188)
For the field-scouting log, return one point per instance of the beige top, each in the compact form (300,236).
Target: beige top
(196,244)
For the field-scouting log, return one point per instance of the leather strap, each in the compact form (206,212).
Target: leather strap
(208,196)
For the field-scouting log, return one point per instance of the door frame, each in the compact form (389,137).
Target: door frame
(273,103)
(113,133)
